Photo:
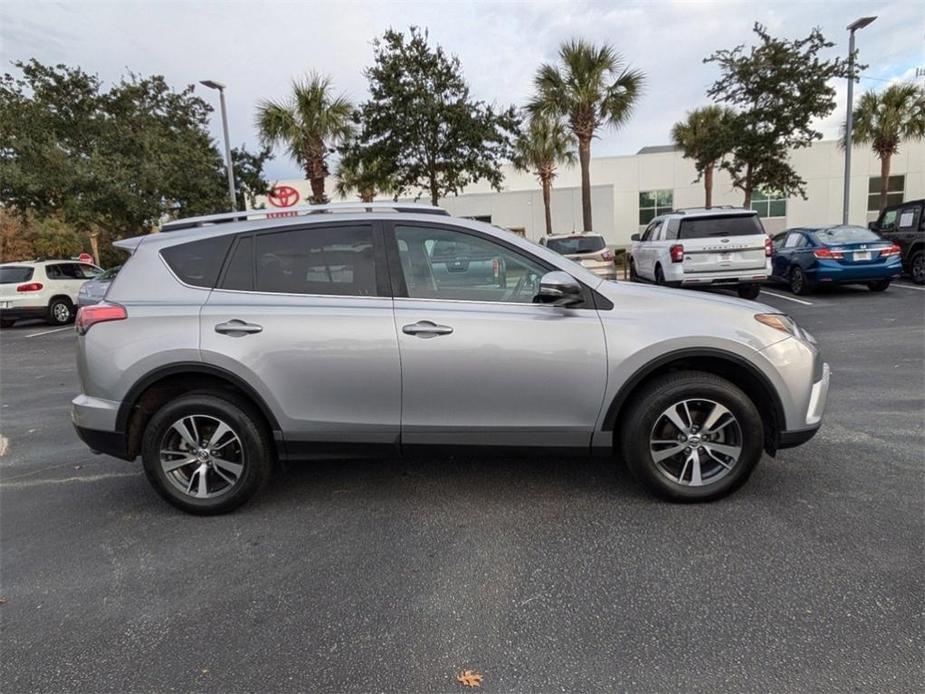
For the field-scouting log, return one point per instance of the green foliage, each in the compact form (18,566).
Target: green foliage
(362,175)
(422,125)
(884,120)
(118,160)
(543,145)
(778,88)
(249,181)
(704,136)
(591,88)
(308,124)
(55,239)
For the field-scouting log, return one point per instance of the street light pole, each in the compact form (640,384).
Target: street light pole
(849,119)
(212,84)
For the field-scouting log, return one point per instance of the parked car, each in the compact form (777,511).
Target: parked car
(42,289)
(92,291)
(211,364)
(587,249)
(808,257)
(904,225)
(704,247)
(464,264)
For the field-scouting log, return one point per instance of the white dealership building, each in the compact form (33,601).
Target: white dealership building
(628,191)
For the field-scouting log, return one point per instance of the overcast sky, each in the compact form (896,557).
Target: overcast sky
(257,47)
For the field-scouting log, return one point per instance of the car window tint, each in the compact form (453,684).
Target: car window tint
(728,225)
(452,265)
(576,244)
(889,219)
(15,274)
(778,240)
(239,273)
(198,262)
(795,240)
(59,271)
(335,260)
(89,272)
(671,231)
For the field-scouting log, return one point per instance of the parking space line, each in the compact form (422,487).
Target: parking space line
(788,298)
(49,332)
(907,286)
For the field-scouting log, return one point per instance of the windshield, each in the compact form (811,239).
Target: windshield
(839,235)
(727,225)
(110,273)
(576,244)
(12,275)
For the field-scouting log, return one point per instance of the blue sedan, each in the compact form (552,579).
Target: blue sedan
(808,257)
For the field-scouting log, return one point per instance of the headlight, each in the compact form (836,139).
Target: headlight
(786,324)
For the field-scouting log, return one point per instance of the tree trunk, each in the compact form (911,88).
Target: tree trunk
(316,180)
(584,156)
(708,186)
(547,203)
(95,247)
(884,178)
(747,203)
(434,191)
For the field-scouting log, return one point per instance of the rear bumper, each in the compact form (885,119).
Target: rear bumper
(109,442)
(841,273)
(688,281)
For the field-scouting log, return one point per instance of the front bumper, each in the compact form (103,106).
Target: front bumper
(817,400)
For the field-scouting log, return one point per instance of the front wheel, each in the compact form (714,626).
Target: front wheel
(878,286)
(206,454)
(692,436)
(634,277)
(748,291)
(918,268)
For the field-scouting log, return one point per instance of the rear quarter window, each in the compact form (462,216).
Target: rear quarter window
(15,275)
(198,262)
(720,226)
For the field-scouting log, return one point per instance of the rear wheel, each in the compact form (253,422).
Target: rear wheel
(633,276)
(60,311)
(659,276)
(206,454)
(7,323)
(692,436)
(878,286)
(918,268)
(748,291)
(799,284)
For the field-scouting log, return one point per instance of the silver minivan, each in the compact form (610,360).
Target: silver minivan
(230,342)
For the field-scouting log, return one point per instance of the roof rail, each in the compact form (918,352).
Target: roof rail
(245,215)
(701,208)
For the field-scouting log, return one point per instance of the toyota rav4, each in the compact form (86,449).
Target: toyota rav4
(230,342)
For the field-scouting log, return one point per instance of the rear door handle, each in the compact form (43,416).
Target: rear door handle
(238,328)
(426,328)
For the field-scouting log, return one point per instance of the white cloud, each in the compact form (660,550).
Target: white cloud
(257,47)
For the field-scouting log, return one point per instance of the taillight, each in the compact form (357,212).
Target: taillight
(677,253)
(767,247)
(88,316)
(892,250)
(30,287)
(828,254)
(607,255)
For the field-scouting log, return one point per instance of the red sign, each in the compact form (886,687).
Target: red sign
(283,196)
(85,258)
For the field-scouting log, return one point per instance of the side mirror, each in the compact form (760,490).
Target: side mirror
(872,226)
(634,237)
(559,289)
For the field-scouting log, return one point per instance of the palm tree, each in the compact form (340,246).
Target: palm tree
(704,137)
(365,178)
(539,149)
(592,88)
(309,123)
(886,119)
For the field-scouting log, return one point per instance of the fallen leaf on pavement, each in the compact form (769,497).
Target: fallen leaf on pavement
(469,678)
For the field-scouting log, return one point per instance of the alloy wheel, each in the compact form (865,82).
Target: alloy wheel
(918,269)
(61,312)
(696,442)
(202,456)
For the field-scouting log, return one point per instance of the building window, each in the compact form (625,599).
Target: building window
(480,218)
(769,204)
(894,192)
(652,203)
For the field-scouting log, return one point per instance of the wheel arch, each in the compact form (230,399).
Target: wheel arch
(756,385)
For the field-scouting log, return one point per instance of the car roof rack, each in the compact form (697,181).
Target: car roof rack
(302,210)
(685,210)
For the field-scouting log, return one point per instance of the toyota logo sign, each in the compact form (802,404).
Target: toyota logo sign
(283,196)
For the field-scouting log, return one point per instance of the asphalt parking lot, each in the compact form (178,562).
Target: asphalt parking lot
(545,575)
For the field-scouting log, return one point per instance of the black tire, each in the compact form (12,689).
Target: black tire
(799,282)
(646,412)
(917,267)
(748,291)
(659,276)
(634,277)
(252,449)
(60,311)
(879,285)
(7,323)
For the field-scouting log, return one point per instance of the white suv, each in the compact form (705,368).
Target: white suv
(43,289)
(704,246)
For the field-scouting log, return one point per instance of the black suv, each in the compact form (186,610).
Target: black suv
(904,225)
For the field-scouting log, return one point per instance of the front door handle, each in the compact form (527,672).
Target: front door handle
(238,328)
(426,328)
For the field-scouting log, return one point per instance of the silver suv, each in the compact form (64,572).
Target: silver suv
(228,343)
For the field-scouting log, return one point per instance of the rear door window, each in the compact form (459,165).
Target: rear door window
(727,225)
(795,240)
(239,272)
(15,274)
(335,260)
(198,262)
